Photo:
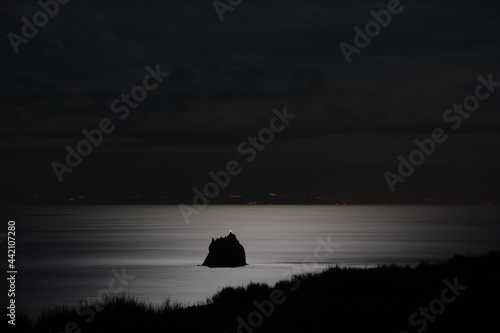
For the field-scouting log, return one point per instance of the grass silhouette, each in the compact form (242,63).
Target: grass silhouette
(338,299)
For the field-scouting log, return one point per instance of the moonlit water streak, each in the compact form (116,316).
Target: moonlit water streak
(66,253)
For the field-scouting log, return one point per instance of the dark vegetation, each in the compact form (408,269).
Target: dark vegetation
(337,300)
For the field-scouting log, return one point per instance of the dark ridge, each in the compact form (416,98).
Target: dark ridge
(383,299)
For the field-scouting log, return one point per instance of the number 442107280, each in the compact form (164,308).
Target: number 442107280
(11,242)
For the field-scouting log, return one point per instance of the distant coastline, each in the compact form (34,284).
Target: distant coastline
(270,198)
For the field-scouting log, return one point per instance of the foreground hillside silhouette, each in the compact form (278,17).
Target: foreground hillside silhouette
(337,300)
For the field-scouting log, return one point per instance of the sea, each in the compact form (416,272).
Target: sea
(66,254)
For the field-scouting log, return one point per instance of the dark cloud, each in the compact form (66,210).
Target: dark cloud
(226,77)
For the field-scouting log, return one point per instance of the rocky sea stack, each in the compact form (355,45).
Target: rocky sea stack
(225,252)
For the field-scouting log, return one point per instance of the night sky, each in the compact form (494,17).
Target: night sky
(225,78)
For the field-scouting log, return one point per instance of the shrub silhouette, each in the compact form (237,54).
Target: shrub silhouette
(336,300)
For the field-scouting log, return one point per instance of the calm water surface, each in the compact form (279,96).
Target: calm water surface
(67,253)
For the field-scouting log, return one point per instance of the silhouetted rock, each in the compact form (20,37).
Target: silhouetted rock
(225,252)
